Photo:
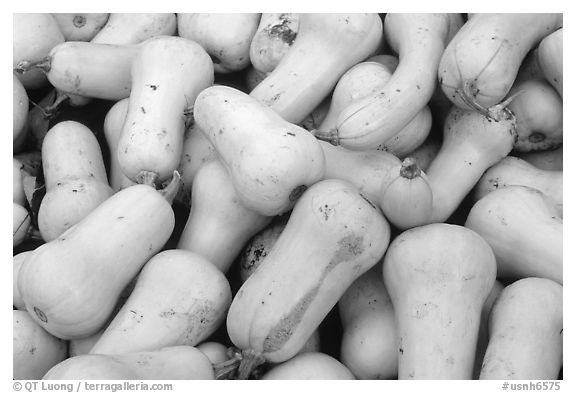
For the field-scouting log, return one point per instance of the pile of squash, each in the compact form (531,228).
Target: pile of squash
(287,196)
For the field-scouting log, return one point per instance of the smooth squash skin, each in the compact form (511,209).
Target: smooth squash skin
(113,124)
(368,345)
(550,56)
(550,160)
(219,225)
(285,299)
(181,362)
(80,27)
(539,116)
(133,28)
(326,46)
(419,40)
(526,326)
(270,161)
(272,40)
(471,144)
(480,64)
(438,277)
(17,301)
(34,35)
(168,73)
(361,81)
(98,257)
(515,171)
(157,315)
(524,229)
(35,351)
(226,37)
(19,115)
(216,352)
(310,366)
(75,178)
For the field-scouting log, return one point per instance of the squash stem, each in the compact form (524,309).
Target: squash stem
(250,360)
(327,136)
(50,110)
(409,169)
(227,369)
(169,192)
(148,178)
(26,65)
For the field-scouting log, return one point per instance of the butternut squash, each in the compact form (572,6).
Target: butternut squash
(167,75)
(326,46)
(419,40)
(34,35)
(538,111)
(270,161)
(226,37)
(181,362)
(19,115)
(253,77)
(407,201)
(113,124)
(82,346)
(75,178)
(99,255)
(285,299)
(438,277)
(524,229)
(16,297)
(368,346)
(526,326)
(218,225)
(80,27)
(310,366)
(155,315)
(426,152)
(550,58)
(34,351)
(480,64)
(214,351)
(550,160)
(515,171)
(361,81)
(272,40)
(133,28)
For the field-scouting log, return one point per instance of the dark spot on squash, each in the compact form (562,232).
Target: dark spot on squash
(40,314)
(120,217)
(32,350)
(153,87)
(290,133)
(79,21)
(143,110)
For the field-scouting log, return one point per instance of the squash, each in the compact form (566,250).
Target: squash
(38,119)
(157,315)
(317,116)
(419,40)
(31,162)
(326,46)
(113,123)
(21,225)
(472,143)
(80,27)
(16,297)
(407,201)
(34,35)
(515,171)
(526,326)
(253,77)
(524,229)
(75,178)
(34,351)
(214,351)
(18,195)
(368,345)
(226,37)
(550,56)
(549,160)
(181,362)
(310,366)
(285,299)
(19,115)
(361,81)
(480,64)
(167,75)
(82,346)
(218,225)
(272,40)
(196,151)
(133,28)
(83,68)
(98,256)
(483,332)
(538,110)
(270,161)
(438,277)
(426,152)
